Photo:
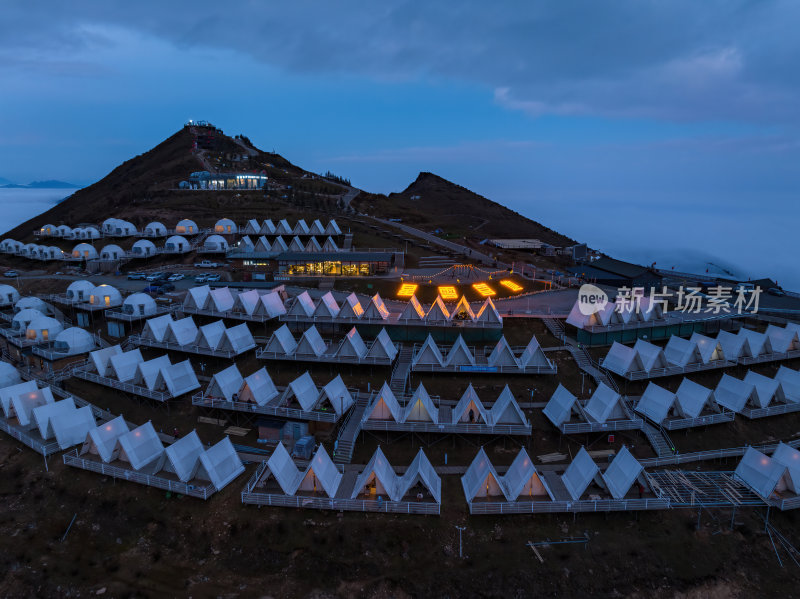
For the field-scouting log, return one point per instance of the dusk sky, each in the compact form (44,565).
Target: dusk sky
(632,107)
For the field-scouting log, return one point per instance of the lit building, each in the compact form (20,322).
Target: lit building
(220,181)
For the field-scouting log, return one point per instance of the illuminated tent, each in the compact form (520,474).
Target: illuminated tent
(437,314)
(378,478)
(470,410)
(420,408)
(710,349)
(141,447)
(384,407)
(102,440)
(481,479)
(352,346)
(258,388)
(413,311)
(351,307)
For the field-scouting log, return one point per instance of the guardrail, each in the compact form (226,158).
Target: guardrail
(227,314)
(126,387)
(594,427)
(465,428)
(199,399)
(392,320)
(774,410)
(347,505)
(330,356)
(602,505)
(638,375)
(682,423)
(36,443)
(773,357)
(193,348)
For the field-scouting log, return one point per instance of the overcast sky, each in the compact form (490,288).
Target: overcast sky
(537,104)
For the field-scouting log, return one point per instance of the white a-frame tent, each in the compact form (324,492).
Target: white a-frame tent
(258,388)
(621,474)
(270,305)
(413,312)
(579,474)
(561,406)
(470,409)
(311,343)
(337,395)
(281,342)
(622,360)
(437,313)
(352,346)
(183,457)
(533,355)
(285,471)
(23,405)
(148,372)
(303,306)
(225,384)
(101,359)
(321,475)
(7,394)
(351,307)
(72,428)
(481,479)
(304,391)
(459,354)
(605,404)
(651,356)
(102,440)
(210,335)
(237,339)
(682,352)
(764,475)
(657,403)
(521,480)
(382,347)
(124,365)
(44,415)
(506,410)
(376,310)
(734,394)
(156,328)
(790,382)
(710,349)
(488,314)
(327,308)
(385,407)
(220,464)
(502,356)
(421,471)
(767,390)
(378,479)
(429,354)
(141,447)
(420,408)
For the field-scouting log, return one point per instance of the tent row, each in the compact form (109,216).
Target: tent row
(622,312)
(421,409)
(692,404)
(311,346)
(141,450)
(279,245)
(378,481)
(605,405)
(267,227)
(115,227)
(67,232)
(776,478)
(522,482)
(327,308)
(460,357)
(158,376)
(757,392)
(221,300)
(184,335)
(438,314)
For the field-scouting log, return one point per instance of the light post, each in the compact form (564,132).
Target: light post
(460,530)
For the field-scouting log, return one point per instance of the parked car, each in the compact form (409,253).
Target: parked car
(176,277)
(213,278)
(167,287)
(152,289)
(206,264)
(10,274)
(201,278)
(154,276)
(137,276)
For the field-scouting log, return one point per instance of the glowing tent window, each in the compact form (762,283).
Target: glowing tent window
(448,292)
(407,289)
(484,289)
(511,285)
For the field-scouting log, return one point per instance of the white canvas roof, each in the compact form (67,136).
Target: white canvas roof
(296,245)
(385,406)
(759,342)
(651,356)
(283,227)
(767,390)
(102,440)
(183,331)
(622,359)
(682,352)
(301,228)
(327,306)
(281,342)
(577,318)
(43,415)
(762,474)
(238,339)
(421,471)
(303,306)
(413,310)
(790,381)
(604,404)
(124,365)
(139,304)
(488,313)
(420,408)
(268,227)
(332,228)
(506,410)
(8,375)
(579,474)
(656,403)
(262,245)
(351,307)
(533,355)
(429,354)
(470,402)
(247,301)
(522,479)
(710,349)
(733,393)
(284,470)
(459,354)
(220,299)
(72,427)
(788,456)
(693,398)
(622,473)
(197,297)
(316,228)
(481,479)
(221,464)
(304,391)
(352,346)
(330,245)
(226,383)
(271,305)
(245,244)
(147,372)
(156,328)
(183,457)
(210,335)
(337,394)
(560,406)
(781,339)
(437,313)
(258,388)
(279,245)
(376,310)
(321,475)
(462,311)
(380,474)
(313,245)
(179,378)
(10,392)
(311,343)
(101,359)
(141,447)
(382,346)
(252,227)
(502,355)
(733,346)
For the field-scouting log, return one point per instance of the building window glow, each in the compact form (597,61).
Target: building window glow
(511,285)
(448,292)
(484,289)
(407,289)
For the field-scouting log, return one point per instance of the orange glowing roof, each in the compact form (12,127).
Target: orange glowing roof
(407,289)
(448,292)
(511,285)
(484,289)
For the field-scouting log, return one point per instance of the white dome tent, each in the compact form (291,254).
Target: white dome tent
(55,253)
(176,245)
(85,251)
(47,230)
(109,224)
(106,296)
(8,375)
(73,341)
(31,303)
(139,304)
(85,233)
(215,243)
(143,248)
(225,226)
(29,250)
(43,328)
(155,229)
(23,318)
(186,227)
(63,231)
(112,252)
(78,291)
(8,296)
(122,228)
(8,246)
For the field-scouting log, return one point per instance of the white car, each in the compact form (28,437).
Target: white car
(176,277)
